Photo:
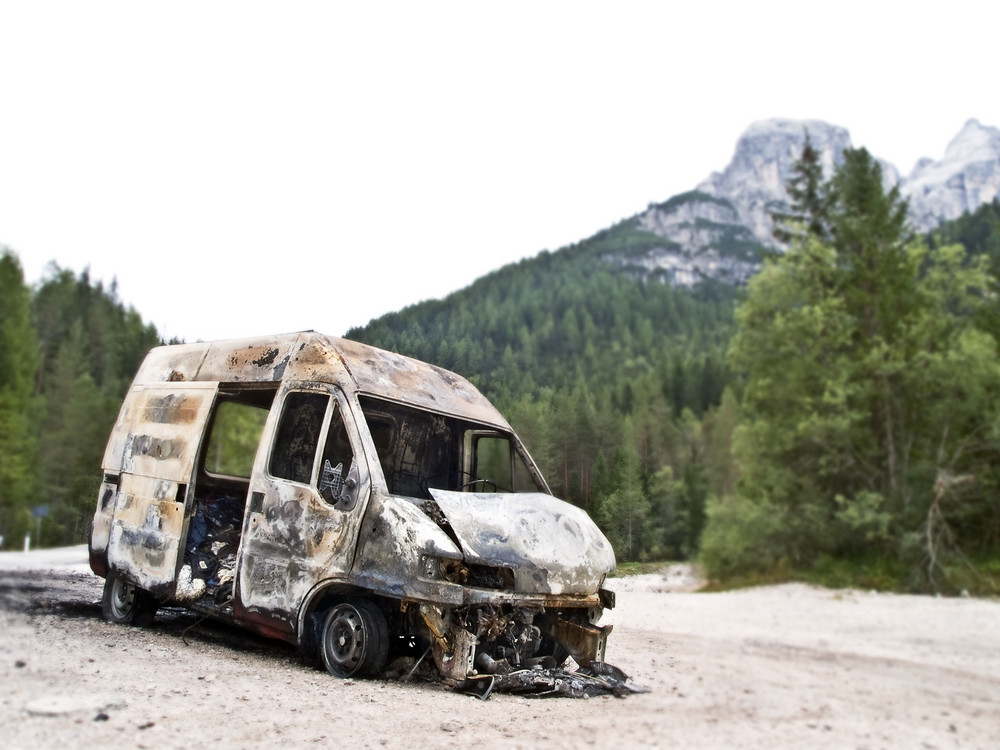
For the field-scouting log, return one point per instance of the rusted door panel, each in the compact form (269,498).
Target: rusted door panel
(292,538)
(146,530)
(159,430)
(153,449)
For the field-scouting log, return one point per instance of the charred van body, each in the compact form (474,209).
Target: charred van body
(352,501)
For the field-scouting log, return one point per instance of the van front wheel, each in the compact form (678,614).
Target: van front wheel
(354,640)
(125,603)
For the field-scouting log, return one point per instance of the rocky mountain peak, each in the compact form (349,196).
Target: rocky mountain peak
(755,179)
(967,177)
(717,230)
(974,142)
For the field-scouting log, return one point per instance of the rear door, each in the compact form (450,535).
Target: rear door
(153,448)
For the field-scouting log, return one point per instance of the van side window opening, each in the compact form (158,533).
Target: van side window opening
(491,470)
(420,450)
(498,467)
(293,454)
(338,456)
(232,445)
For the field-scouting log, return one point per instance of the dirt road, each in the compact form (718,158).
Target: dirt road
(777,667)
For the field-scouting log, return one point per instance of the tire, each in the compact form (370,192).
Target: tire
(126,604)
(354,641)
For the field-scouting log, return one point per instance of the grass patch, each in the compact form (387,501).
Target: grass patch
(833,573)
(639,568)
(772,577)
(873,573)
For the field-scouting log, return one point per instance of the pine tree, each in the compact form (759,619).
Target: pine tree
(810,200)
(623,513)
(19,408)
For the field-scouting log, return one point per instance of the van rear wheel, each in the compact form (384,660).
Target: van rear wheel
(354,641)
(125,603)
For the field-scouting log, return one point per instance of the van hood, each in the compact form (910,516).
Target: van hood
(553,547)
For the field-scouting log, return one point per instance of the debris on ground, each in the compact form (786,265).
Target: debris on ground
(600,678)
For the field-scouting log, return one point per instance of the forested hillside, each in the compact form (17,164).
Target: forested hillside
(549,321)
(865,431)
(613,378)
(68,351)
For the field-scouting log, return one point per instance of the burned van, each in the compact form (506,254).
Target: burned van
(353,501)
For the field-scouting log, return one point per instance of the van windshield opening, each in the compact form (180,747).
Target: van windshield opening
(420,450)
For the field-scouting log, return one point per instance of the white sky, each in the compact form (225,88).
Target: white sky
(245,168)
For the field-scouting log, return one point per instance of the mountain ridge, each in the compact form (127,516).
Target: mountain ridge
(707,232)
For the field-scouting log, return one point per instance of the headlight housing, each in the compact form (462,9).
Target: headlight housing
(450,570)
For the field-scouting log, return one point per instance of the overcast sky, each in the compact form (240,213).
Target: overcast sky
(244,168)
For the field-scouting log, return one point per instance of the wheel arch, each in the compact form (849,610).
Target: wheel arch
(325,596)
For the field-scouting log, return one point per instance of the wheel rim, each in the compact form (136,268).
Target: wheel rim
(345,640)
(122,598)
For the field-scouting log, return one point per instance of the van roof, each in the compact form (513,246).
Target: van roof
(311,356)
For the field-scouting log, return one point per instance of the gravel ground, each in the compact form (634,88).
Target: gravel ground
(774,667)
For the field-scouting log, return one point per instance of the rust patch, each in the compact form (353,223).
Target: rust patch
(585,643)
(173,408)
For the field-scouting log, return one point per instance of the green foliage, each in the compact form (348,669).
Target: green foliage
(19,406)
(68,351)
(743,537)
(869,571)
(623,510)
(979,233)
(865,384)
(636,568)
(234,438)
(810,210)
(548,322)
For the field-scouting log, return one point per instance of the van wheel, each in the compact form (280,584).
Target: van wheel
(126,604)
(354,640)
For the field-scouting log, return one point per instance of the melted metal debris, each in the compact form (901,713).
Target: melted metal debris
(599,678)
